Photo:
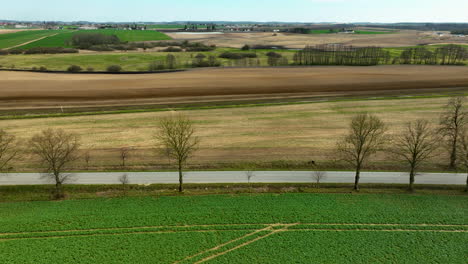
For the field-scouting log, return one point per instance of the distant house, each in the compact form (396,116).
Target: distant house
(347,31)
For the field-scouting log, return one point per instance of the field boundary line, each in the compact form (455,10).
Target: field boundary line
(126,233)
(378,230)
(123,228)
(269,227)
(222,225)
(284,228)
(372,224)
(31,41)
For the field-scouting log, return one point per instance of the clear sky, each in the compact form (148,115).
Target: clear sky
(238,10)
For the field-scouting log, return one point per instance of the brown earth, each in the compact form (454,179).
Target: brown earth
(23,90)
(400,39)
(6,31)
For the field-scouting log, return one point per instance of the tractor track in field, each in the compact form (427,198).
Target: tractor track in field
(256,228)
(227,225)
(31,41)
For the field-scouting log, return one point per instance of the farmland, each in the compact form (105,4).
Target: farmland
(267,136)
(238,229)
(13,39)
(139,59)
(59,38)
(367,32)
(401,38)
(203,84)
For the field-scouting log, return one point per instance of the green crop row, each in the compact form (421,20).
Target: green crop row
(227,209)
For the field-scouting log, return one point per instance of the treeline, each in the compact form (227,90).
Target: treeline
(88,40)
(38,50)
(368,56)
(460,32)
(341,55)
(367,135)
(171,46)
(446,55)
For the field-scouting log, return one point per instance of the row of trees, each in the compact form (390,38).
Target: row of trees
(354,56)
(446,55)
(56,148)
(87,40)
(414,145)
(341,55)
(366,136)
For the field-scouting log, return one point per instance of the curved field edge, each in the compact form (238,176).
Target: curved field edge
(233,209)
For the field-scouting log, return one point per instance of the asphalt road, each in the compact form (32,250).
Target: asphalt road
(236,177)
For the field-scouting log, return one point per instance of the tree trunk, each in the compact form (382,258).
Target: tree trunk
(181,178)
(356,179)
(411,182)
(453,155)
(58,188)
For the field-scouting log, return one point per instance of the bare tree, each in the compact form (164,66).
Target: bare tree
(56,150)
(318,176)
(366,136)
(87,158)
(177,138)
(414,145)
(452,122)
(8,149)
(124,181)
(249,173)
(463,154)
(124,154)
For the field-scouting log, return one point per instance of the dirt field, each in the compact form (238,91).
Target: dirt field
(6,31)
(237,135)
(21,90)
(296,41)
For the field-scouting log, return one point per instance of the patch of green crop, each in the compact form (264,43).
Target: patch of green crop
(125,248)
(59,40)
(226,209)
(353,247)
(132,35)
(13,39)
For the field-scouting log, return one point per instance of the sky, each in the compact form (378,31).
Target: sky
(385,11)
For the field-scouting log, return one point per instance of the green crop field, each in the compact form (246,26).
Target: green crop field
(13,39)
(132,35)
(130,61)
(59,38)
(267,228)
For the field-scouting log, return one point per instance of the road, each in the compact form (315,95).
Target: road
(236,177)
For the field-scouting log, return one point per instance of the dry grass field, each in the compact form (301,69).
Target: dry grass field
(25,90)
(6,31)
(298,41)
(300,132)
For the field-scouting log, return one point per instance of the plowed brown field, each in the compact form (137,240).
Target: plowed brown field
(23,90)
